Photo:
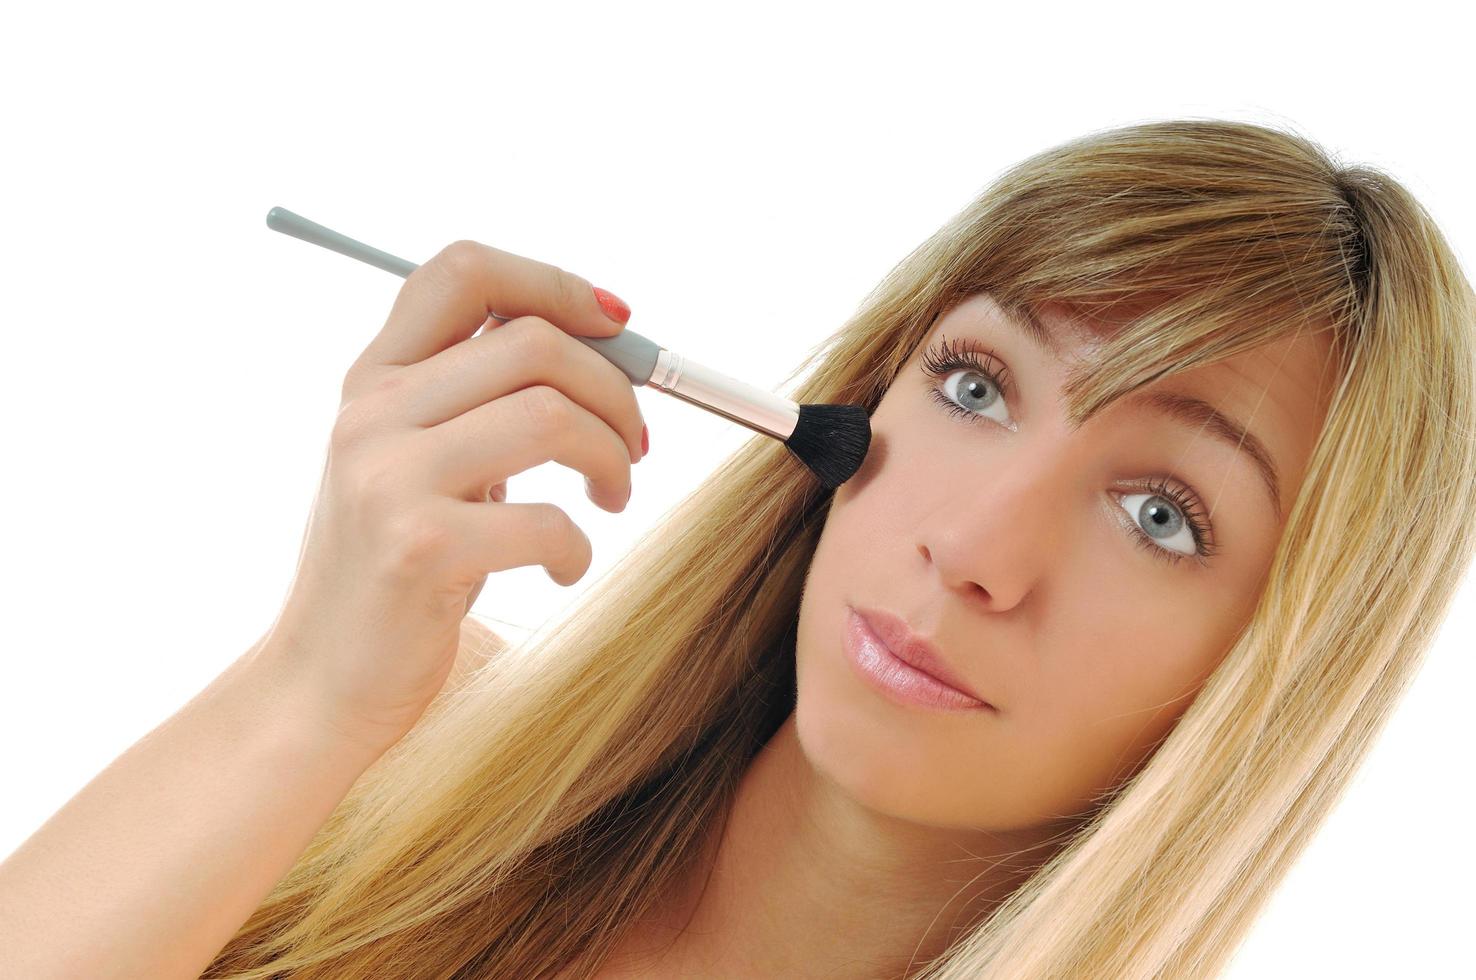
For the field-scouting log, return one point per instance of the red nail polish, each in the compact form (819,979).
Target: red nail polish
(613,305)
(645,441)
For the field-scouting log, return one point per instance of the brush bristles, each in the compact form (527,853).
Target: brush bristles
(832,441)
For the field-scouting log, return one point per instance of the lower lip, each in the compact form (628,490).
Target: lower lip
(899,681)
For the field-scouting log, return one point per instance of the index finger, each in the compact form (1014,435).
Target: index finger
(450,297)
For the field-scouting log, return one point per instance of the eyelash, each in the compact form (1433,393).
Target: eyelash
(945,357)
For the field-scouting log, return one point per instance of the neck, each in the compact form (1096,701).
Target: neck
(803,879)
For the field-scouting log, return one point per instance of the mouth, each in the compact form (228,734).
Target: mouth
(903,666)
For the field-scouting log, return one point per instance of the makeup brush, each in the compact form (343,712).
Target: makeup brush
(831,440)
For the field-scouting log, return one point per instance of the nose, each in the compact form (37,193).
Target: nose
(992,531)
(970,589)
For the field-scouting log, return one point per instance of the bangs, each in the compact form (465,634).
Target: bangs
(1176,261)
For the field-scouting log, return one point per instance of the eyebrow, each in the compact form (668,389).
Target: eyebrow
(1184,409)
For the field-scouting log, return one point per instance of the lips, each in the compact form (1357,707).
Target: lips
(914,650)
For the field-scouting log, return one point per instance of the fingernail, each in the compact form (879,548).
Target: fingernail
(645,441)
(613,305)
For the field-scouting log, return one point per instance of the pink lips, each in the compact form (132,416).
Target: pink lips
(904,667)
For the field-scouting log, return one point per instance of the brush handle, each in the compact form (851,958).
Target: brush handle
(643,361)
(629,351)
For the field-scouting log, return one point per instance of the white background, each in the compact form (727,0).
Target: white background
(741,176)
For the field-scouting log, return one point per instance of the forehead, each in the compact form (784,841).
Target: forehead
(1279,390)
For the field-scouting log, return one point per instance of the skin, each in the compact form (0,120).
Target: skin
(866,834)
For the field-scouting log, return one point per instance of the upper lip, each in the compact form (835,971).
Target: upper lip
(916,651)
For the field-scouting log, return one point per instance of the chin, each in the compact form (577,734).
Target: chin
(870,749)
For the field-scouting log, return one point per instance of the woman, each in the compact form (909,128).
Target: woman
(1172,469)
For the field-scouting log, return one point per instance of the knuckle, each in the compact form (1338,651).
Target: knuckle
(535,341)
(361,377)
(370,485)
(385,386)
(352,382)
(350,427)
(362,408)
(564,287)
(553,532)
(546,407)
(462,258)
(417,541)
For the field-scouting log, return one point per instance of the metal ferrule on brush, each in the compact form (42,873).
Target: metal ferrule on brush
(760,410)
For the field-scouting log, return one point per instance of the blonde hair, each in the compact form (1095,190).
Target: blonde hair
(542,804)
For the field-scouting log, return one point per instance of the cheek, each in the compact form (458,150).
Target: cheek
(1107,692)
(910,464)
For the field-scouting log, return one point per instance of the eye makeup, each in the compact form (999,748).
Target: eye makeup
(944,357)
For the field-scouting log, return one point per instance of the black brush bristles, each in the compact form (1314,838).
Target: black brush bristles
(832,441)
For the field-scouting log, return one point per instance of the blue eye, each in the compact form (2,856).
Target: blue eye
(1178,532)
(977,394)
(1171,510)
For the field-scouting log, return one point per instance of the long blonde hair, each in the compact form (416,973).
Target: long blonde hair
(545,800)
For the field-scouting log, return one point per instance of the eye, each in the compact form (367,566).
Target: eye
(968,387)
(976,389)
(1175,526)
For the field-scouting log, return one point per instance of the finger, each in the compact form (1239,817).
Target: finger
(449,298)
(528,351)
(461,458)
(495,537)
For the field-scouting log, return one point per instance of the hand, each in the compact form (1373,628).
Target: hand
(411,514)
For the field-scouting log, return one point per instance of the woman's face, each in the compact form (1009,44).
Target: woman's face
(1017,547)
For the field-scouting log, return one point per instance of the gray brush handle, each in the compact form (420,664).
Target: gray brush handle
(627,350)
